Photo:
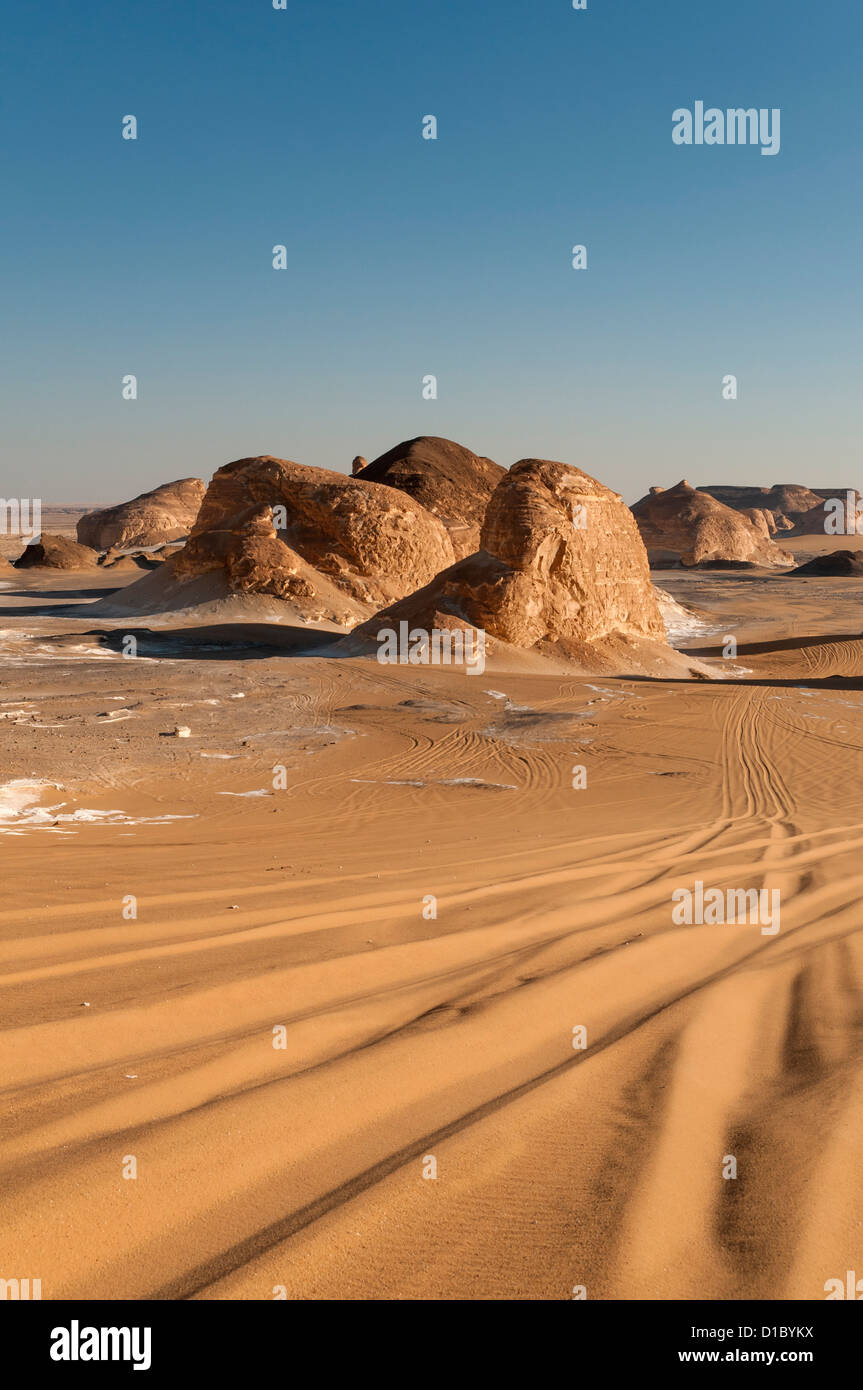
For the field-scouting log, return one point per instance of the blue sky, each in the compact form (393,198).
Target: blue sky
(408,257)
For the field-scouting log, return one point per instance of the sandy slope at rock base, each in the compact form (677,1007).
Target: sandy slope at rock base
(407,1036)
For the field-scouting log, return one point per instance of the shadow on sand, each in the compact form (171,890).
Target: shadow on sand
(217,642)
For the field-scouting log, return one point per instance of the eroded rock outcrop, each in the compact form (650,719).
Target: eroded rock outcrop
(164,514)
(562,572)
(686,525)
(373,543)
(445,478)
(57,553)
(805,511)
(253,558)
(120,560)
(279,540)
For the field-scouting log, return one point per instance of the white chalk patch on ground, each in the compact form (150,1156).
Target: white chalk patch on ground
(376,782)
(20,811)
(438,782)
(71,651)
(18,649)
(15,796)
(220,755)
(263,792)
(26,717)
(680,622)
(509,705)
(477,782)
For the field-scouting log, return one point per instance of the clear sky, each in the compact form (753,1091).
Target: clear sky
(409,257)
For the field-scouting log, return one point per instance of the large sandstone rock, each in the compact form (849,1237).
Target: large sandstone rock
(57,553)
(371,542)
(579,568)
(164,514)
(688,525)
(562,571)
(446,479)
(248,551)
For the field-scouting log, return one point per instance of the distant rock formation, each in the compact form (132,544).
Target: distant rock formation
(446,479)
(164,514)
(373,543)
(838,562)
(358,465)
(687,525)
(57,553)
(562,571)
(131,560)
(793,508)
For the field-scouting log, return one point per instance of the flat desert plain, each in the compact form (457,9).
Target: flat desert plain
(319,974)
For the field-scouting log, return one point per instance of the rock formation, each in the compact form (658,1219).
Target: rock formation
(373,543)
(446,479)
(358,465)
(793,508)
(315,545)
(686,525)
(57,553)
(164,514)
(131,560)
(248,551)
(562,572)
(838,562)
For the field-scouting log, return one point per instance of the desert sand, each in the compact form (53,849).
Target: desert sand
(286,860)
